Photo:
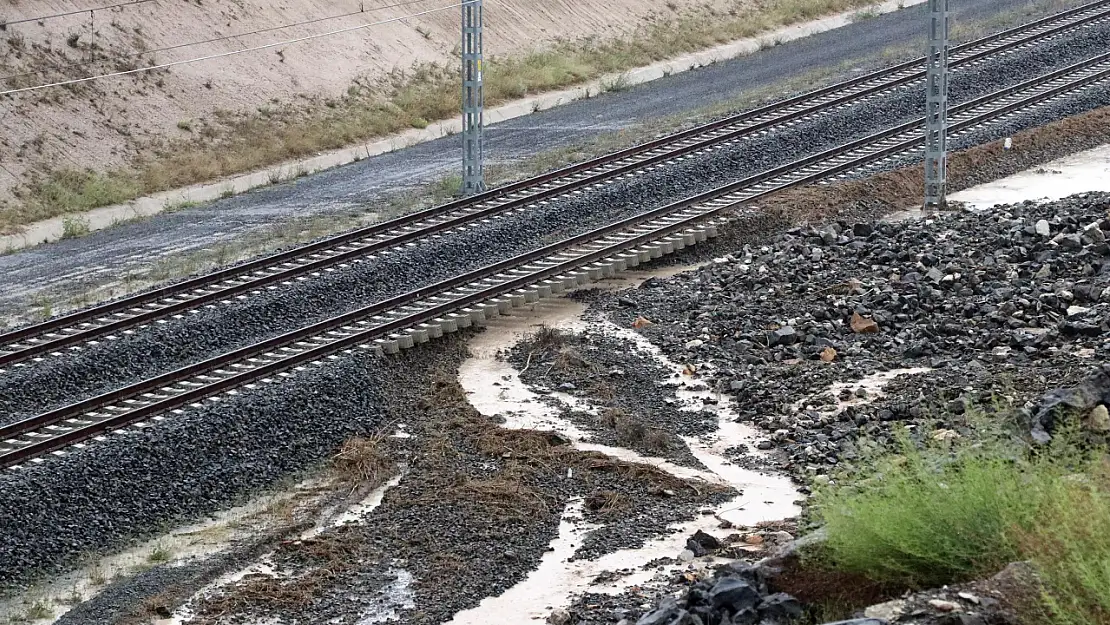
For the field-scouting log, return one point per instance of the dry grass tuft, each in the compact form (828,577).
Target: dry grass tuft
(363,460)
(607,502)
(325,559)
(631,431)
(505,497)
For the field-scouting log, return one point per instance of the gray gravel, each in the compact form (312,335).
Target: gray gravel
(996,309)
(634,410)
(31,389)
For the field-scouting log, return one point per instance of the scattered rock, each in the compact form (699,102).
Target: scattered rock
(1099,419)
(862,325)
(560,616)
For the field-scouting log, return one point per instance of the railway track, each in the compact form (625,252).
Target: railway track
(107,321)
(430,311)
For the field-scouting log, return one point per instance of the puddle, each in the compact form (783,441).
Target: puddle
(385,606)
(353,513)
(1077,173)
(494,387)
(872,387)
(178,546)
(1082,172)
(397,596)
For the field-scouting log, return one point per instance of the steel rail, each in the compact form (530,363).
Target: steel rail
(106,319)
(70,424)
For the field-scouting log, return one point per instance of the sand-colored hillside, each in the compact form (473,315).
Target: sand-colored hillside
(104,123)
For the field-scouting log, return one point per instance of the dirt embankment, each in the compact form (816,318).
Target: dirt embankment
(107,123)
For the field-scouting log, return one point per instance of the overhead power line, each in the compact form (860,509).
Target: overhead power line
(124,57)
(233,52)
(77,12)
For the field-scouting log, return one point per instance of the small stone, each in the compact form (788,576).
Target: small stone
(934,274)
(816,255)
(944,606)
(780,608)
(694,344)
(1093,233)
(1099,419)
(1042,228)
(686,556)
(764,445)
(1075,311)
(736,385)
(862,230)
(863,325)
(1070,241)
(783,336)
(559,616)
(828,354)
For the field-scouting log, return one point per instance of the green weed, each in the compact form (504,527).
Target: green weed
(931,516)
(74,226)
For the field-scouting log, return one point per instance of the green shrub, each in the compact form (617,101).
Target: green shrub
(939,515)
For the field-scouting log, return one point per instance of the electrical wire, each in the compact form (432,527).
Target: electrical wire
(78,12)
(233,52)
(207,41)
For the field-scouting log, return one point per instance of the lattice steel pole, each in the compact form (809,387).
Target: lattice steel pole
(936,108)
(473,180)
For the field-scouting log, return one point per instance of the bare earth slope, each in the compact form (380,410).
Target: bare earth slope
(104,123)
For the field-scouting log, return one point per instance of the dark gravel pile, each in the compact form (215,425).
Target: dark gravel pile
(473,514)
(138,481)
(162,347)
(1001,306)
(633,410)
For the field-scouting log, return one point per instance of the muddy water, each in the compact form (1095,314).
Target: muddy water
(179,545)
(494,388)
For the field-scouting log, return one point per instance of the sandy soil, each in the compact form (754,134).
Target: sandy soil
(106,122)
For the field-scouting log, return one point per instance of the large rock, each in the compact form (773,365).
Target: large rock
(668,613)
(779,608)
(734,594)
(1078,400)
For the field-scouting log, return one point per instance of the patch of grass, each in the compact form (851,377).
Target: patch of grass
(931,516)
(67,191)
(159,554)
(865,14)
(37,610)
(176,205)
(74,226)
